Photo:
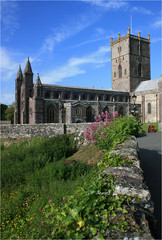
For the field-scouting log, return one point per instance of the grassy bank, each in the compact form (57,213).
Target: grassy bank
(33,172)
(49,190)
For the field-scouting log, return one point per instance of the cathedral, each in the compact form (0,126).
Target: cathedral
(130,63)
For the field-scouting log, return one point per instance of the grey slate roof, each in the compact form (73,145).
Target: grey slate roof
(148,85)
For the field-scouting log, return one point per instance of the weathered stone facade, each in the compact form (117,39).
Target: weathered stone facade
(151,101)
(130,61)
(42,103)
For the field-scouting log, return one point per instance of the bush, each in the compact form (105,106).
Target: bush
(117,132)
(107,132)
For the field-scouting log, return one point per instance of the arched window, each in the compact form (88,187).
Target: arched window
(125,71)
(121,111)
(120,71)
(47,94)
(149,108)
(139,69)
(114,74)
(106,109)
(78,111)
(89,115)
(51,114)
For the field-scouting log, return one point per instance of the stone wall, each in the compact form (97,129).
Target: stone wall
(31,130)
(130,182)
(45,130)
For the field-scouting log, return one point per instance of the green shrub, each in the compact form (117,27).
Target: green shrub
(117,132)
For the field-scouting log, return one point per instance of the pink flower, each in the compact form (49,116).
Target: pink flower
(63,199)
(40,208)
(50,201)
(34,214)
(100,138)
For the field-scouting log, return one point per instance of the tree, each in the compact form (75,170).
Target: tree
(9,112)
(3,109)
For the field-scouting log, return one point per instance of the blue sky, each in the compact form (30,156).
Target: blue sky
(68,42)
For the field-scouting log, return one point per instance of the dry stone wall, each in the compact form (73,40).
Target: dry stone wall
(130,182)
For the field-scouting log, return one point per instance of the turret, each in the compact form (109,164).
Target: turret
(28,68)
(28,75)
(26,92)
(18,83)
(38,87)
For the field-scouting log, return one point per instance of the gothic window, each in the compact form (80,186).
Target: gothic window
(107,98)
(84,96)
(121,111)
(139,69)
(89,115)
(92,97)
(114,74)
(123,58)
(149,108)
(75,96)
(100,97)
(51,114)
(125,71)
(78,111)
(67,96)
(106,109)
(47,94)
(116,60)
(56,95)
(119,49)
(120,99)
(120,71)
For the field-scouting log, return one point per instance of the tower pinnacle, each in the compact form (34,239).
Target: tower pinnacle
(38,81)
(28,68)
(19,73)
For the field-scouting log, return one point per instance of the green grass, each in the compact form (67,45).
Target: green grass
(145,127)
(34,172)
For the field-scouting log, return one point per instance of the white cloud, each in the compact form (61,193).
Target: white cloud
(76,66)
(8,65)
(141,10)
(107,4)
(66,31)
(7,98)
(155,40)
(157,24)
(9,19)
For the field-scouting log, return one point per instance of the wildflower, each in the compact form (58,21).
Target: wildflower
(34,214)
(50,201)
(63,199)
(40,208)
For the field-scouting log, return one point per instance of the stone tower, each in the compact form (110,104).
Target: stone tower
(130,61)
(26,93)
(36,103)
(18,83)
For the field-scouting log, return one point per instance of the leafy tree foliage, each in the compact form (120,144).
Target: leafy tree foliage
(9,113)
(3,108)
